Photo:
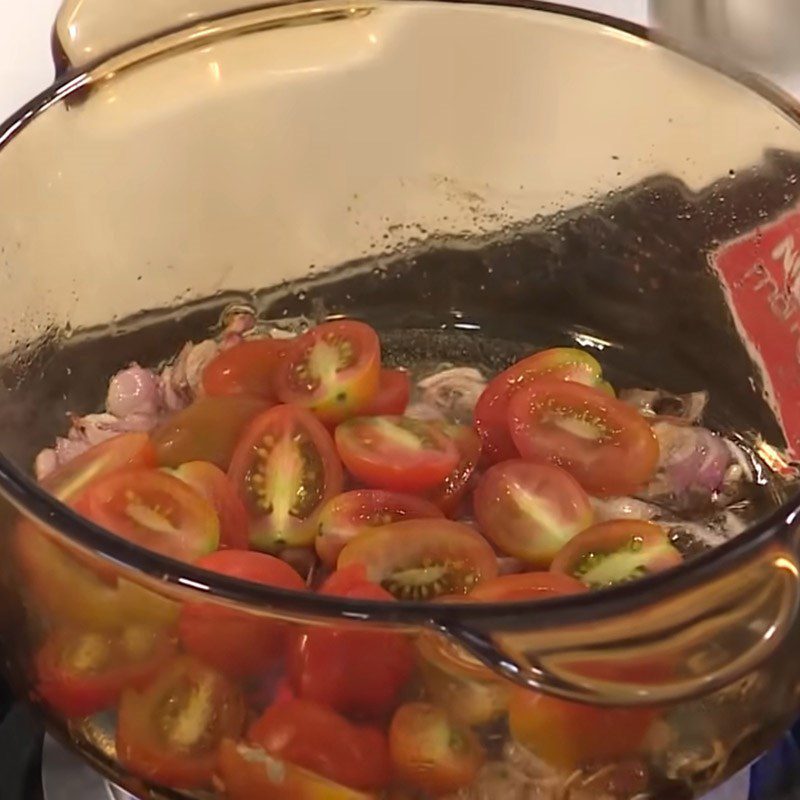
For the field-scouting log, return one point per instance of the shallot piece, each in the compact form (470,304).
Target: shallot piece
(237,322)
(454,392)
(134,390)
(679,409)
(181,381)
(623,508)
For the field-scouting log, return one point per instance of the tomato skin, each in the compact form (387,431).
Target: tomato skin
(421,546)
(349,514)
(526,586)
(530,511)
(155,746)
(311,373)
(617,457)
(352,670)
(236,643)
(249,773)
(451,492)
(247,368)
(431,752)
(154,510)
(79,674)
(312,736)
(491,410)
(634,547)
(396,453)
(207,430)
(212,483)
(285,453)
(394,392)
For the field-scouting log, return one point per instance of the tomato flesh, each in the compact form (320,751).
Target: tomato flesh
(207,430)
(213,484)
(422,559)
(605,444)
(154,510)
(350,669)
(312,736)
(285,469)
(431,752)
(247,368)
(451,492)
(333,370)
(80,673)
(616,552)
(350,514)
(491,410)
(530,511)
(236,643)
(169,732)
(391,399)
(396,453)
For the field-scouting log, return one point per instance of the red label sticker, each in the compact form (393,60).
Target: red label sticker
(760,273)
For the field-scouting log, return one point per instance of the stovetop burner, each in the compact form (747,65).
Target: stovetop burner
(66,777)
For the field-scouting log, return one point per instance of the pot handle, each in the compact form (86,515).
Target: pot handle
(678,648)
(85,30)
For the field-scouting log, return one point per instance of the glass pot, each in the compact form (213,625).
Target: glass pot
(475,180)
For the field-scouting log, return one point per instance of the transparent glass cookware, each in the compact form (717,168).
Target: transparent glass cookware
(476,181)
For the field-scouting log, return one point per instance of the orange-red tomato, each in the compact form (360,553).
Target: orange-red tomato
(391,399)
(431,752)
(235,642)
(247,368)
(449,494)
(605,444)
(333,370)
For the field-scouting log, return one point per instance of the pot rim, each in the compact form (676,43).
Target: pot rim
(28,497)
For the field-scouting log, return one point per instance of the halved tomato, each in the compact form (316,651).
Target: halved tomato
(314,737)
(207,430)
(394,391)
(449,494)
(247,368)
(431,752)
(235,642)
(169,732)
(250,773)
(602,442)
(285,468)
(128,450)
(80,673)
(154,510)
(530,511)
(332,369)
(352,669)
(491,411)
(423,559)
(213,484)
(615,552)
(349,514)
(397,453)
(525,586)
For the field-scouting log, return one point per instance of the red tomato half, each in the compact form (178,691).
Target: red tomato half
(422,559)
(81,673)
(602,442)
(530,511)
(213,484)
(250,773)
(235,642)
(431,752)
(314,737)
(154,510)
(394,391)
(449,494)
(247,368)
(207,430)
(333,370)
(349,514)
(397,453)
(351,669)
(126,451)
(615,552)
(491,411)
(169,732)
(285,468)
